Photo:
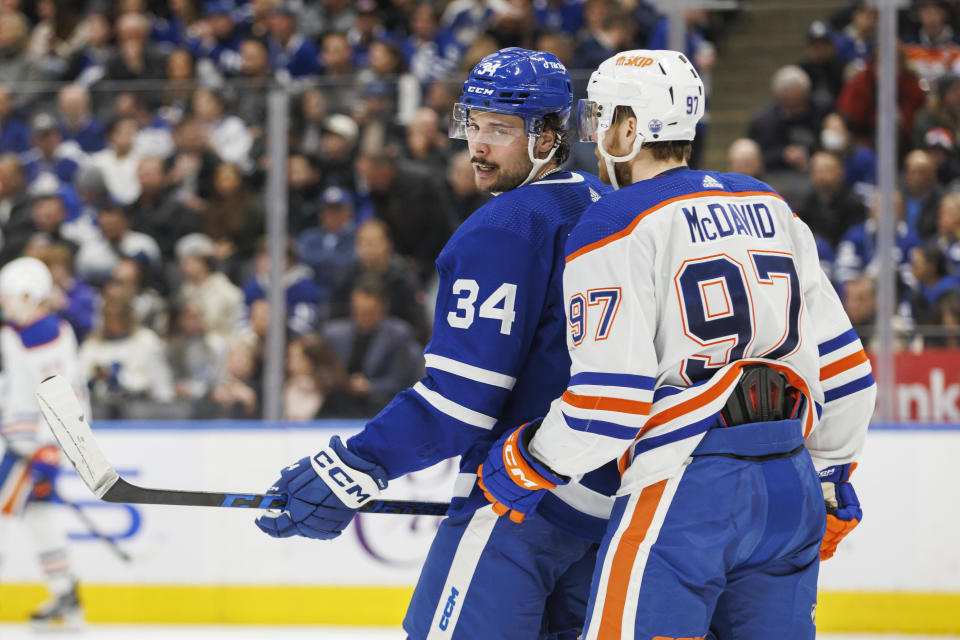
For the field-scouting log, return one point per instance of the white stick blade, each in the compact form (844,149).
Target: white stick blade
(64,415)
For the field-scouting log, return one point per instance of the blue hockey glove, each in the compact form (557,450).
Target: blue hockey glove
(843,507)
(511,478)
(323,493)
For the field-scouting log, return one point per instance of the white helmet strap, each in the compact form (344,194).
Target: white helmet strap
(609,159)
(538,162)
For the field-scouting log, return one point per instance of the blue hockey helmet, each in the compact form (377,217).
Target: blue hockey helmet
(519,82)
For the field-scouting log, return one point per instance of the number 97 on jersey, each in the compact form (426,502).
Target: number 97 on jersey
(600,305)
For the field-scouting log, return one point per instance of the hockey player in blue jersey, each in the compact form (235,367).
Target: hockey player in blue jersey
(713,358)
(497,358)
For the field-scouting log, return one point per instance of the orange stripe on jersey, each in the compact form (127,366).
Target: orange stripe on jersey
(695,403)
(611,620)
(721,387)
(21,485)
(841,365)
(629,229)
(600,403)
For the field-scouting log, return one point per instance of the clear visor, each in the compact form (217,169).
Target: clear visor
(485,131)
(588,119)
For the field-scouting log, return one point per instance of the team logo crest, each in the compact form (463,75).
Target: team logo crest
(655,126)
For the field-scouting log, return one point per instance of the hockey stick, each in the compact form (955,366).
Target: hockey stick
(87,521)
(64,416)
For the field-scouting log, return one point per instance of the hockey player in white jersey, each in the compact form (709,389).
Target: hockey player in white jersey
(34,345)
(712,356)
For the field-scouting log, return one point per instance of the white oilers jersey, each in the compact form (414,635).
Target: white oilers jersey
(670,285)
(30,354)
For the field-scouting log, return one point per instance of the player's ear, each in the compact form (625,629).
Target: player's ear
(630,130)
(545,142)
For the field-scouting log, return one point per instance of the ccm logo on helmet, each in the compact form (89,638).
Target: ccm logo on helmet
(480,90)
(634,61)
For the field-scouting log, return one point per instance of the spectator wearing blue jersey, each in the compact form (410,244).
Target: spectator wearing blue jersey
(14,133)
(216,39)
(922,193)
(948,231)
(856,42)
(48,153)
(379,352)
(559,15)
(328,247)
(301,292)
(431,52)
(857,250)
(77,122)
(293,57)
(74,300)
(465,19)
(932,281)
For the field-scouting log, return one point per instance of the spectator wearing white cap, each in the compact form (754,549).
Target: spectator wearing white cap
(221,301)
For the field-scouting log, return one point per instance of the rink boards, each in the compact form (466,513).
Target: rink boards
(899,571)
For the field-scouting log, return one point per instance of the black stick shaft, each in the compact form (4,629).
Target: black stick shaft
(123,491)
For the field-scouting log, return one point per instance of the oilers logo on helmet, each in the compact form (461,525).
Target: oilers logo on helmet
(655,126)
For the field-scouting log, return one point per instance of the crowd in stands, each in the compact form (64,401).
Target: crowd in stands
(133,159)
(815,142)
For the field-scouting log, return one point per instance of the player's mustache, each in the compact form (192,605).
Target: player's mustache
(476,160)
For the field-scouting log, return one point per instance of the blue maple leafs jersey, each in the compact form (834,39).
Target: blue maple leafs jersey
(498,356)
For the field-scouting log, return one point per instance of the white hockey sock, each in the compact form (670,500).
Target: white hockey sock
(50,541)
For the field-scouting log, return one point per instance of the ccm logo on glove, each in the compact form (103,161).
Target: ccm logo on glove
(522,474)
(353,493)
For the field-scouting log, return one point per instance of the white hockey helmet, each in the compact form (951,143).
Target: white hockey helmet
(663,89)
(25,284)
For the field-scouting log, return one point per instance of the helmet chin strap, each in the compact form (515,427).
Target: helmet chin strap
(538,162)
(609,160)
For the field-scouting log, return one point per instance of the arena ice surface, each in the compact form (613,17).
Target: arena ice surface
(158,632)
